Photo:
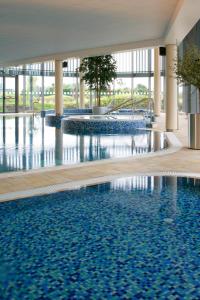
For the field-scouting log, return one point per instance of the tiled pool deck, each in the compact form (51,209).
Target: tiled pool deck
(180,160)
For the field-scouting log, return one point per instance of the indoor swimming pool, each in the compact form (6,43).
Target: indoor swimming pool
(131,238)
(27,143)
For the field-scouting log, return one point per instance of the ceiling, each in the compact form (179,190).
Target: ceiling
(38,28)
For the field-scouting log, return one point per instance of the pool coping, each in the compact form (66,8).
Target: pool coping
(99,118)
(174,145)
(72,185)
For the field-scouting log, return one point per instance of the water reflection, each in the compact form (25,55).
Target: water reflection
(160,194)
(163,197)
(27,143)
(58,146)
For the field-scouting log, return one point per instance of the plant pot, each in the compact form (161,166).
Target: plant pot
(194,131)
(99,110)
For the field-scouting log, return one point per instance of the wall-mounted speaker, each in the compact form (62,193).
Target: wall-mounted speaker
(65,64)
(162,51)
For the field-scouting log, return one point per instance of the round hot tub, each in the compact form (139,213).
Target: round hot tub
(102,124)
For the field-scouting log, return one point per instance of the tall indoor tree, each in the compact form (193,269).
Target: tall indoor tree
(98,73)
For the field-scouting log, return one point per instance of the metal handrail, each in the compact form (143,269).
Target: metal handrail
(132,102)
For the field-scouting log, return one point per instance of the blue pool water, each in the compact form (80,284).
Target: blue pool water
(132,238)
(28,143)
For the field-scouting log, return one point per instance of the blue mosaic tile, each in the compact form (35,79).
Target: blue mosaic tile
(53,121)
(70,111)
(126,239)
(97,126)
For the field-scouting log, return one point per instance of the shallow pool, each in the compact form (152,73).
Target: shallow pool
(27,143)
(131,238)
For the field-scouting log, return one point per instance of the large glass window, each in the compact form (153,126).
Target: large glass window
(1,94)
(134,80)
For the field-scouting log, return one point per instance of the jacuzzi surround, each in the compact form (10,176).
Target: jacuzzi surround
(55,121)
(103,124)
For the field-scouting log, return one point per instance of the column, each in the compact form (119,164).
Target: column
(4,93)
(149,71)
(31,92)
(171,89)
(77,91)
(24,87)
(82,90)
(42,91)
(157,80)
(58,88)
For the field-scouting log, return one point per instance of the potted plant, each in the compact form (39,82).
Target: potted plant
(188,73)
(98,72)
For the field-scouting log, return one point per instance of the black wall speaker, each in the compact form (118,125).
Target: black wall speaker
(162,51)
(65,64)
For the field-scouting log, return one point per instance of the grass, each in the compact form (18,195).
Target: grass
(70,102)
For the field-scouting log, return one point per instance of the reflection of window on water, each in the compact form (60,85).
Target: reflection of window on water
(27,143)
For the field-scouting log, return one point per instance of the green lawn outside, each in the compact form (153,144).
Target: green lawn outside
(70,102)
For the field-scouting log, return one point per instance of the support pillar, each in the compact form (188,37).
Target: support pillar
(58,88)
(157,81)
(149,71)
(171,89)
(42,91)
(24,88)
(82,90)
(31,92)
(4,94)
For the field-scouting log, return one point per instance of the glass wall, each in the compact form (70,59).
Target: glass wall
(37,83)
(1,94)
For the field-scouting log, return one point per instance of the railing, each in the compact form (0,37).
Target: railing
(133,103)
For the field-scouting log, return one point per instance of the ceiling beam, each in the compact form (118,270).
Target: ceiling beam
(185,16)
(88,52)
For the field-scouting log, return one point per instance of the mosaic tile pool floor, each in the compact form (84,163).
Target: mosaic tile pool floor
(132,238)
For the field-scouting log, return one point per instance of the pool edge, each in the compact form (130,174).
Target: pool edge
(174,145)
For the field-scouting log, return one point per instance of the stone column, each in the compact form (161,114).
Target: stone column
(81,90)
(42,91)
(31,93)
(171,89)
(58,88)
(24,87)
(157,80)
